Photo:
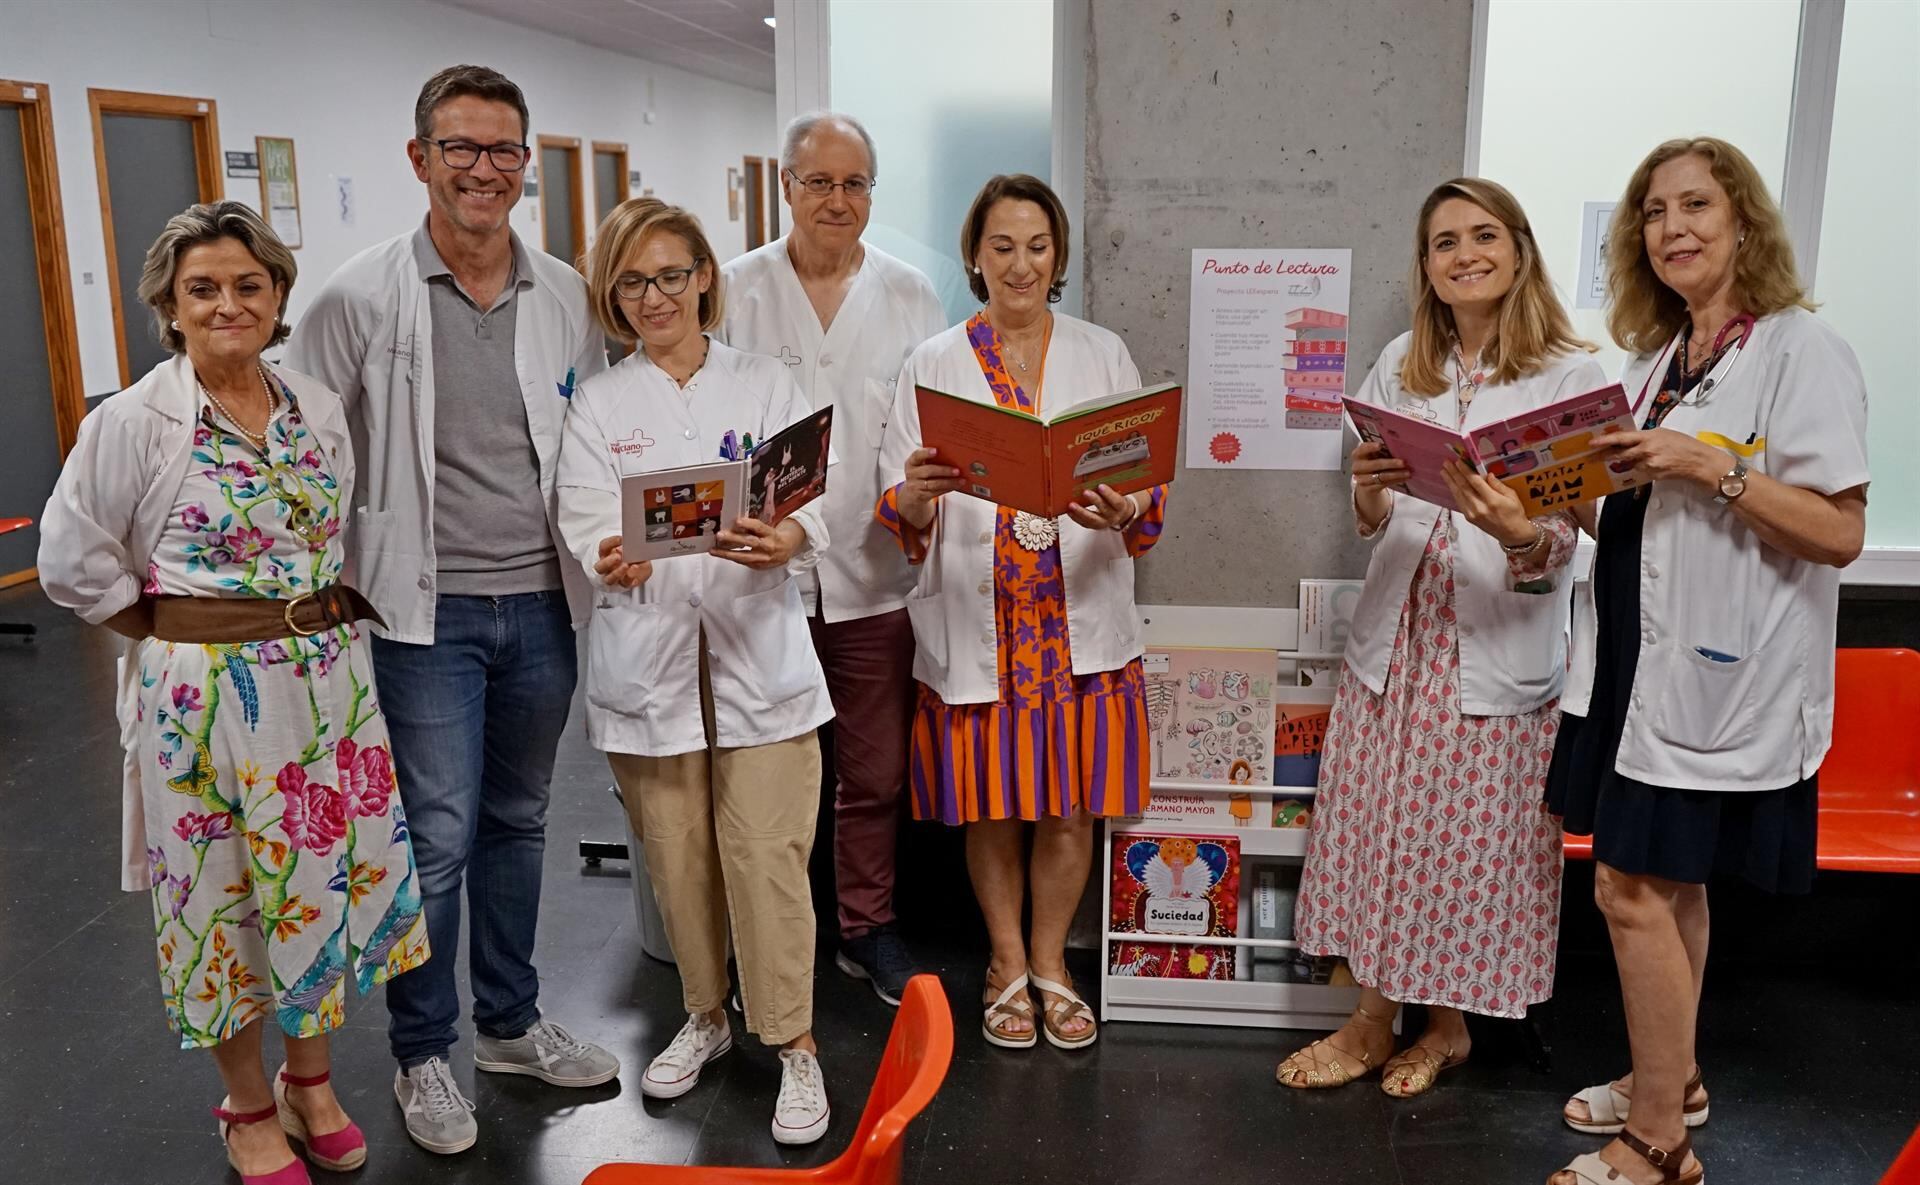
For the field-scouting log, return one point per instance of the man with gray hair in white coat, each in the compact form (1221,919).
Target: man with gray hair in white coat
(843,316)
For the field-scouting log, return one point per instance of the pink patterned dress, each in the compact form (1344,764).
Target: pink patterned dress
(1433,866)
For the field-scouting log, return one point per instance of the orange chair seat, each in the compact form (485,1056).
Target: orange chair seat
(1870,781)
(9,525)
(918,1052)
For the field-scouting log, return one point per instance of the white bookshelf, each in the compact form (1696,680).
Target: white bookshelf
(1245,1003)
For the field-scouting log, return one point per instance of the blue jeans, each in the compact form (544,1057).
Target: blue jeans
(475,720)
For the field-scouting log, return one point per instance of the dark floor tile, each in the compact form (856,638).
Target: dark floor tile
(90,1152)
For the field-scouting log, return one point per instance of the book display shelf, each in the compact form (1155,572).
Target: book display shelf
(1207,869)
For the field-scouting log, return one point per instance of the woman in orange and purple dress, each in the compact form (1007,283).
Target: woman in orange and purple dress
(1031,700)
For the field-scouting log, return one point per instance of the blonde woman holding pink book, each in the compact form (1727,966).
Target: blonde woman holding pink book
(1432,867)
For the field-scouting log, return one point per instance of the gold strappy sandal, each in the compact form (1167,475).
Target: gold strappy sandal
(1413,1071)
(1318,1066)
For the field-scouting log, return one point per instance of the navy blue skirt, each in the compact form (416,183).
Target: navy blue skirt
(1767,837)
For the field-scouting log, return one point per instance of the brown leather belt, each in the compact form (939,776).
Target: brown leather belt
(212,620)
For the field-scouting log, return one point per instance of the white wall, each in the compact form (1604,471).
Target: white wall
(945,121)
(340,78)
(1868,284)
(1577,92)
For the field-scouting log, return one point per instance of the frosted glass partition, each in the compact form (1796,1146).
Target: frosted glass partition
(1868,283)
(1577,91)
(953,92)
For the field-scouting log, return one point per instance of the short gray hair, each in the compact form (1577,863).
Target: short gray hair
(803,126)
(207,223)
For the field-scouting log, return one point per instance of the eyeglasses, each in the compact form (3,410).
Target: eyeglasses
(855,188)
(464,154)
(672,282)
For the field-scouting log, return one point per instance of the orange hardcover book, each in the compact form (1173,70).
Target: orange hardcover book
(1126,441)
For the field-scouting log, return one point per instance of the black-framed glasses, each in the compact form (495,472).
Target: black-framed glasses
(672,282)
(854,187)
(464,154)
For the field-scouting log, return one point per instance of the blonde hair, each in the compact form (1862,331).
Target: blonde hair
(623,229)
(1531,327)
(209,222)
(1643,314)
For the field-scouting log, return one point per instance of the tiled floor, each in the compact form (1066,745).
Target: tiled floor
(1811,1036)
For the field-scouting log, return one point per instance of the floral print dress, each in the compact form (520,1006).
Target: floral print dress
(276,843)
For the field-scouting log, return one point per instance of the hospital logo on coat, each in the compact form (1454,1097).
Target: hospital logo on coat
(788,356)
(631,448)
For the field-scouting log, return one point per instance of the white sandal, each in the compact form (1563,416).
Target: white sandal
(1607,1109)
(1068,1006)
(1010,1005)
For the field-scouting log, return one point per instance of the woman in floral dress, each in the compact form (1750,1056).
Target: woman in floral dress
(200,515)
(1432,867)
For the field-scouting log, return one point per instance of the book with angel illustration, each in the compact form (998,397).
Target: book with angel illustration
(1174,887)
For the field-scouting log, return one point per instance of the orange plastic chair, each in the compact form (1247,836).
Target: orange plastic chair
(914,1065)
(1906,1170)
(1870,782)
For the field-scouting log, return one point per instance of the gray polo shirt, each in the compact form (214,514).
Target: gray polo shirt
(490,532)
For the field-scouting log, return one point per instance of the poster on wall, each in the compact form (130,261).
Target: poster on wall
(279,187)
(1591,290)
(1267,358)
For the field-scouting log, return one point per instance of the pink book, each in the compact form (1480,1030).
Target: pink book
(1545,455)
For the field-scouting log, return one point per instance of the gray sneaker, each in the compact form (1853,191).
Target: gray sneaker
(547,1052)
(439,1118)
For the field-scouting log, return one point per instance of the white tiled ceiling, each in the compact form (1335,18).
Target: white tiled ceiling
(725,39)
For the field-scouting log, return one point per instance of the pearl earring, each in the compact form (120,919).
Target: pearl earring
(176,326)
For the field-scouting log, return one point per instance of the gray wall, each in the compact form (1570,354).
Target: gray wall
(1261,123)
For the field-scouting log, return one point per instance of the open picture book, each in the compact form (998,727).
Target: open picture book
(1125,441)
(675,512)
(1545,455)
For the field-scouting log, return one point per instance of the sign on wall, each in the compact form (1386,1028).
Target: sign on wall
(1267,358)
(279,187)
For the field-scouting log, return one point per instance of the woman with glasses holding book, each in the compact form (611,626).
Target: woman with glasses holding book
(1031,702)
(1432,867)
(702,685)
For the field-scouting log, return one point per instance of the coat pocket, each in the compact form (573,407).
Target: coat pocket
(763,638)
(929,616)
(1710,706)
(623,648)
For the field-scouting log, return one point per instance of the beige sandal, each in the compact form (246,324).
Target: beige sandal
(1591,1170)
(1066,1006)
(1413,1071)
(1011,1005)
(1607,1108)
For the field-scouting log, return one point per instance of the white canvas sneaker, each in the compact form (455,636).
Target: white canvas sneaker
(677,1069)
(801,1114)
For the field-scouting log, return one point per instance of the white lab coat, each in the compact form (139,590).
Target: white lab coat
(108,512)
(369,335)
(643,645)
(1794,399)
(955,628)
(1513,648)
(889,309)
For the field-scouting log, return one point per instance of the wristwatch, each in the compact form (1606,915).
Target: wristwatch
(1733,484)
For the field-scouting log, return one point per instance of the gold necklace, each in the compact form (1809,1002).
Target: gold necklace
(257,439)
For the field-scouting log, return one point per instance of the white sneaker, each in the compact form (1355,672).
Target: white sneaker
(677,1070)
(801,1114)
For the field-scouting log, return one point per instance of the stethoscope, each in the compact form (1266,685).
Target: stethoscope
(1714,377)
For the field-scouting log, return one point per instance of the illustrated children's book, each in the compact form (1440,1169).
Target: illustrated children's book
(1208,714)
(1299,731)
(1545,455)
(1125,441)
(1326,614)
(675,512)
(1179,886)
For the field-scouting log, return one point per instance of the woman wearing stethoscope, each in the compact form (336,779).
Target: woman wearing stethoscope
(1429,800)
(1701,700)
